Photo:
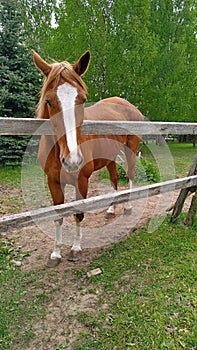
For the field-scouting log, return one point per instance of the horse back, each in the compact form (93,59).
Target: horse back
(112,109)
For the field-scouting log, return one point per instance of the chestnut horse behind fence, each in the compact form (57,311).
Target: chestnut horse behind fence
(70,157)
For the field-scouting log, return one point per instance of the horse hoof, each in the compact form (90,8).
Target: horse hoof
(109,216)
(53,262)
(127,211)
(74,255)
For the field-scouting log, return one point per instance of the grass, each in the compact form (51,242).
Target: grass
(148,286)
(183,154)
(10,176)
(21,304)
(23,188)
(182,157)
(11,201)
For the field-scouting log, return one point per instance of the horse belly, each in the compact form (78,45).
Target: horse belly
(105,150)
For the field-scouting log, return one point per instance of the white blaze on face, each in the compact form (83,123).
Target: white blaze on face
(67,94)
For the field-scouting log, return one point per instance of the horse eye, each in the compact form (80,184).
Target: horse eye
(48,102)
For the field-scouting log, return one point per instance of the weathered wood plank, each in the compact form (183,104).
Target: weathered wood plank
(93,203)
(143,128)
(31,126)
(25,126)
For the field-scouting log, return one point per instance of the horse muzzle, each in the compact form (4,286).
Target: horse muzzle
(72,164)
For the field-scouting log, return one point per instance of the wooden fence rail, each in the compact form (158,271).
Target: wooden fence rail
(31,126)
(55,212)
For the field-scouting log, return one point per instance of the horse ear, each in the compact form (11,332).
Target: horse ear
(41,64)
(82,64)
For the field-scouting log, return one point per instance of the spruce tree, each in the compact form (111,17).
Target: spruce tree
(18,78)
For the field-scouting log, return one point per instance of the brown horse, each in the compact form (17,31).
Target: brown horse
(70,157)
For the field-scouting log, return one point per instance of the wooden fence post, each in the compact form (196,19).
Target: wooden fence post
(183,195)
(192,211)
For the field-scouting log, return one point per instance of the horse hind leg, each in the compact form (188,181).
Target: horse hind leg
(130,150)
(114,182)
(128,206)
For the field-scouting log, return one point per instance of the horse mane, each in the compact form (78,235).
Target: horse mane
(59,70)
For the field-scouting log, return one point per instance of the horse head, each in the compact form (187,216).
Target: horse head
(62,100)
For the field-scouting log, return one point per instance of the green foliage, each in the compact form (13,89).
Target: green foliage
(12,150)
(143,51)
(174,91)
(19,81)
(39,17)
(122,175)
(145,172)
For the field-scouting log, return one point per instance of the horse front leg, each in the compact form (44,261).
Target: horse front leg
(81,193)
(55,257)
(58,198)
(76,251)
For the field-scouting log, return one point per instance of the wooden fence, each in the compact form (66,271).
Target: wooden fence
(31,126)
(19,126)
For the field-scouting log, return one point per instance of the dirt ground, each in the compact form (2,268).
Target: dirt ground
(60,323)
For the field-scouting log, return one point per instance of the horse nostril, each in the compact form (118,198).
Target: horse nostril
(63,161)
(66,164)
(80,162)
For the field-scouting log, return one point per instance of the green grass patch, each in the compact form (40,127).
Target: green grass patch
(10,176)
(10,188)
(182,155)
(23,188)
(20,304)
(149,289)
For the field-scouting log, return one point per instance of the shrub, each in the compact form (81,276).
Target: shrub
(145,172)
